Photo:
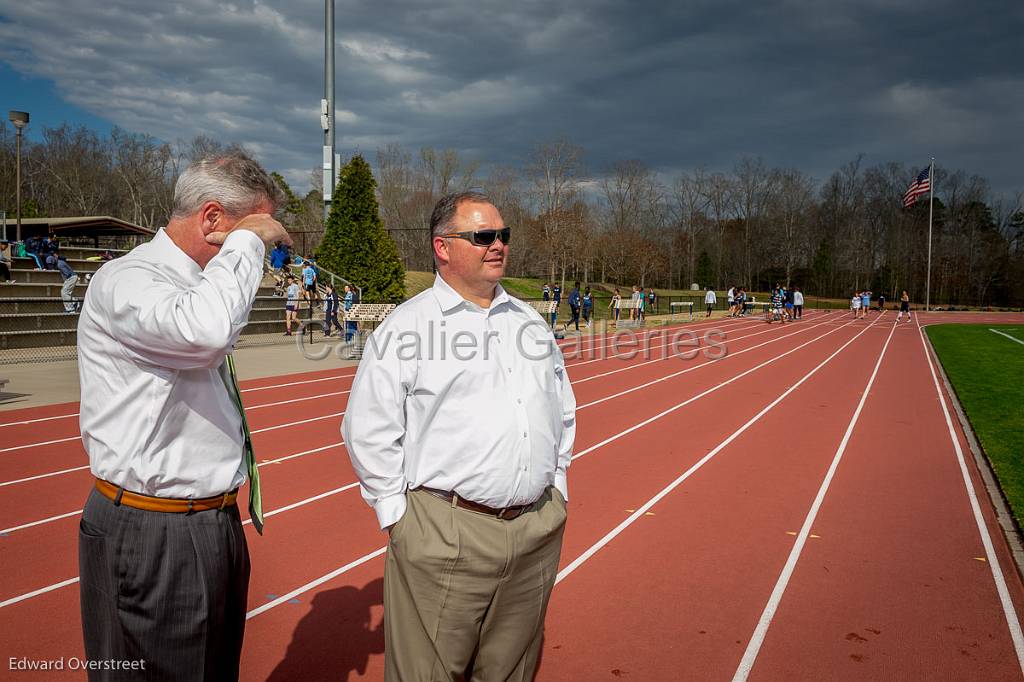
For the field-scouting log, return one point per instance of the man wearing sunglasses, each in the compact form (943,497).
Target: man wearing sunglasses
(462,448)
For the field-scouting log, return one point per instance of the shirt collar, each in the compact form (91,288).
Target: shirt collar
(449,299)
(170,254)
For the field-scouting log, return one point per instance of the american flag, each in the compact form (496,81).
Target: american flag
(922,184)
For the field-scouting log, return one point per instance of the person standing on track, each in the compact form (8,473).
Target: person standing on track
(904,307)
(731,299)
(613,305)
(881,303)
(588,306)
(463,457)
(162,555)
(710,300)
(798,303)
(575,303)
(865,303)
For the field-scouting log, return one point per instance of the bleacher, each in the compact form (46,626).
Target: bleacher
(34,325)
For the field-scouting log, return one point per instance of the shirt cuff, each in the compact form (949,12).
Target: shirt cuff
(562,484)
(254,243)
(390,509)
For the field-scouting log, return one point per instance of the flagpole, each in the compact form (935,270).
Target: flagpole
(931,201)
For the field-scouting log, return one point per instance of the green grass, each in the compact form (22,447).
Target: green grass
(987,372)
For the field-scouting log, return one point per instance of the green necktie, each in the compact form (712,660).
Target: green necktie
(255,499)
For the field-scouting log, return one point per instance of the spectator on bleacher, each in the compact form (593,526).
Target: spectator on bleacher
(331,303)
(291,305)
(309,283)
(279,258)
(163,563)
(575,304)
(49,250)
(5,261)
(32,246)
(465,462)
(348,302)
(67,290)
(588,306)
(710,300)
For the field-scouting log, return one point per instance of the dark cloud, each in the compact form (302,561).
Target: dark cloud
(803,84)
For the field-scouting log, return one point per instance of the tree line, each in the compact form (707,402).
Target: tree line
(752,225)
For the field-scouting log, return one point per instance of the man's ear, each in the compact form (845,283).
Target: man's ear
(210,215)
(441,250)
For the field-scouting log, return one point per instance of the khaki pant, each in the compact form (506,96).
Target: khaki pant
(467,590)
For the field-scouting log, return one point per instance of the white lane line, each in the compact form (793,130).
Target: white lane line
(72,581)
(36,593)
(667,356)
(1009,612)
(250,408)
(268,428)
(304,421)
(38,476)
(705,364)
(40,522)
(285,458)
(244,390)
(36,445)
(1012,338)
(761,630)
(319,581)
(632,518)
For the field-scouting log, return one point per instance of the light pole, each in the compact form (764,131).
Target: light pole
(20,120)
(327,108)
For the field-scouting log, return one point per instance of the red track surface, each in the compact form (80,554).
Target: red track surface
(768,490)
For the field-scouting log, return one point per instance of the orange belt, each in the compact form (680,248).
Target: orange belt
(164,504)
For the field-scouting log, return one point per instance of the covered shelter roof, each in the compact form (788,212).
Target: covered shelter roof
(78,226)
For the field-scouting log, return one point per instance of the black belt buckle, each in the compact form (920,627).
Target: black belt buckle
(509,513)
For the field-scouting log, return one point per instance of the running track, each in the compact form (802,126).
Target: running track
(801,509)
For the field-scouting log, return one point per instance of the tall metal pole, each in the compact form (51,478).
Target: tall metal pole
(931,198)
(327,110)
(20,120)
(17,175)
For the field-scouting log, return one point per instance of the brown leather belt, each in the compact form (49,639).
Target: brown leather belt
(164,504)
(506,514)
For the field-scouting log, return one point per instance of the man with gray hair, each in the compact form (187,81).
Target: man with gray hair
(463,454)
(162,556)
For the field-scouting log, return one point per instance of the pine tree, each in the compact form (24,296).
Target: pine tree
(355,245)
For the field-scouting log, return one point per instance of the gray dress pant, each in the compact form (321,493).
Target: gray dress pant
(162,588)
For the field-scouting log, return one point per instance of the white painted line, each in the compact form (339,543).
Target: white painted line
(72,581)
(250,408)
(36,593)
(304,421)
(1009,612)
(761,630)
(1012,338)
(298,383)
(37,477)
(314,583)
(36,445)
(261,464)
(632,518)
(705,364)
(41,521)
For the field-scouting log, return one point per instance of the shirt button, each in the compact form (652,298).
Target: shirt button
(509,370)
(519,400)
(524,434)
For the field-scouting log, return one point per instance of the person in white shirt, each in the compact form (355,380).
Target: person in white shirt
(710,300)
(460,427)
(731,296)
(164,568)
(798,303)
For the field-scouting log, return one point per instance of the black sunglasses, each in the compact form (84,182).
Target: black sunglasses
(483,237)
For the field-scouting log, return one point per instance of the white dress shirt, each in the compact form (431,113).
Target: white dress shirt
(156,416)
(460,398)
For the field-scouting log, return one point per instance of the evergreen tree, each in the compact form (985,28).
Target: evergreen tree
(704,269)
(355,244)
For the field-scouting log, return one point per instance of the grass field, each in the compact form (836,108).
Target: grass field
(987,372)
